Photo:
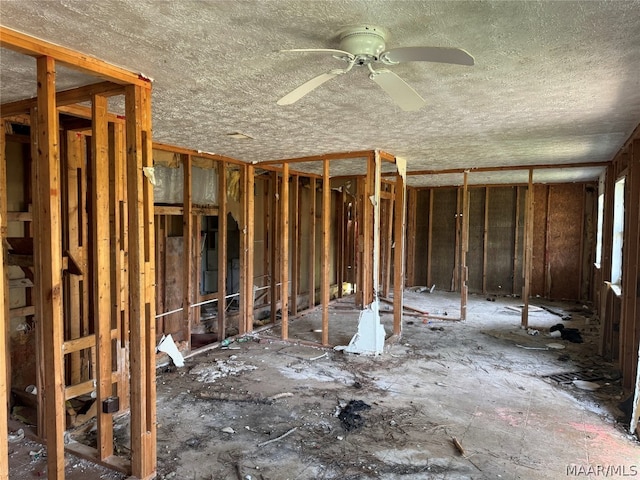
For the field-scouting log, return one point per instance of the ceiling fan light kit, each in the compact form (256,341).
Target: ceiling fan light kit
(364,45)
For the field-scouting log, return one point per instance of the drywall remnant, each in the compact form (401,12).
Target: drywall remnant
(369,339)
(168,346)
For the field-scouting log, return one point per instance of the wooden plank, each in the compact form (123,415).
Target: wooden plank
(78,344)
(101,308)
(464,248)
(5,379)
(222,250)
(272,242)
(411,216)
(317,158)
(312,244)
(187,245)
(49,264)
(247,256)
(430,238)
(18,216)
(326,237)
(527,253)
(630,327)
(388,245)
(66,97)
(34,47)
(398,253)
(25,311)
(141,309)
(114,462)
(508,168)
(295,245)
(284,251)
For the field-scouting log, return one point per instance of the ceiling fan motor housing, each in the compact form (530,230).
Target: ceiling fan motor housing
(363,40)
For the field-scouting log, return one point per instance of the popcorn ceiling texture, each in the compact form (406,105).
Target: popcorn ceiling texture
(554,82)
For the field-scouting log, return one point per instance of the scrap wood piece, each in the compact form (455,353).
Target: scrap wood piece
(531,348)
(287,433)
(458,445)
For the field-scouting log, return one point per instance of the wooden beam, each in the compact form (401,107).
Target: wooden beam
(222,250)
(485,240)
(411,214)
(312,244)
(101,268)
(246,253)
(317,158)
(187,248)
(141,279)
(5,325)
(284,251)
(398,253)
(48,254)
(430,238)
(509,168)
(295,246)
(66,97)
(34,47)
(464,248)
(376,237)
(527,253)
(326,237)
(272,238)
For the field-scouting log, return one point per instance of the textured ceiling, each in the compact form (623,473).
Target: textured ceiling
(554,82)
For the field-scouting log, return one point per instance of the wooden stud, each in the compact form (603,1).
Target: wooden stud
(49,264)
(516,244)
(398,253)
(295,246)
(326,237)
(527,252)
(485,240)
(5,372)
(247,258)
(340,241)
(284,251)
(312,244)
(430,237)
(101,308)
(547,253)
(272,237)
(375,234)
(222,250)
(455,281)
(369,278)
(388,241)
(412,217)
(464,248)
(141,280)
(187,248)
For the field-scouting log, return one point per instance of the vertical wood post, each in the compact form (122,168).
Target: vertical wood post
(247,259)
(398,253)
(527,252)
(375,270)
(295,244)
(464,248)
(187,247)
(326,236)
(222,250)
(5,376)
(141,280)
(412,217)
(284,251)
(4,385)
(312,244)
(101,268)
(430,238)
(485,240)
(48,258)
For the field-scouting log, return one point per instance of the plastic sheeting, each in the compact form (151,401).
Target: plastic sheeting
(169,185)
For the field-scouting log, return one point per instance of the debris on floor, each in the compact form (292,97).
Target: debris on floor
(349,416)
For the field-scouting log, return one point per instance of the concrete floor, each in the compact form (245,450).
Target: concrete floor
(469,380)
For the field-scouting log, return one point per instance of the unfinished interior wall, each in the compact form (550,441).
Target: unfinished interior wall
(496,236)
(618,296)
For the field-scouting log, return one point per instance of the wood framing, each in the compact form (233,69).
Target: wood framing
(312,244)
(222,250)
(326,236)
(399,231)
(141,281)
(284,251)
(48,261)
(101,310)
(246,251)
(527,252)
(22,43)
(295,245)
(464,248)
(5,371)
(188,235)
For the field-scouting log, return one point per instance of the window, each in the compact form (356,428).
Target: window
(600,227)
(618,233)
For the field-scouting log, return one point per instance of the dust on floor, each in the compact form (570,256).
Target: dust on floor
(269,410)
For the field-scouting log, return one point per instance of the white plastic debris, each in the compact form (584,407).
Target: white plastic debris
(17,436)
(168,346)
(228,430)
(369,339)
(584,385)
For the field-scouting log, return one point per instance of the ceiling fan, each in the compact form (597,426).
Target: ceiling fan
(364,46)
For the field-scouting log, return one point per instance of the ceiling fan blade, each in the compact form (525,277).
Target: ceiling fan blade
(427,54)
(307,87)
(399,90)
(321,50)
